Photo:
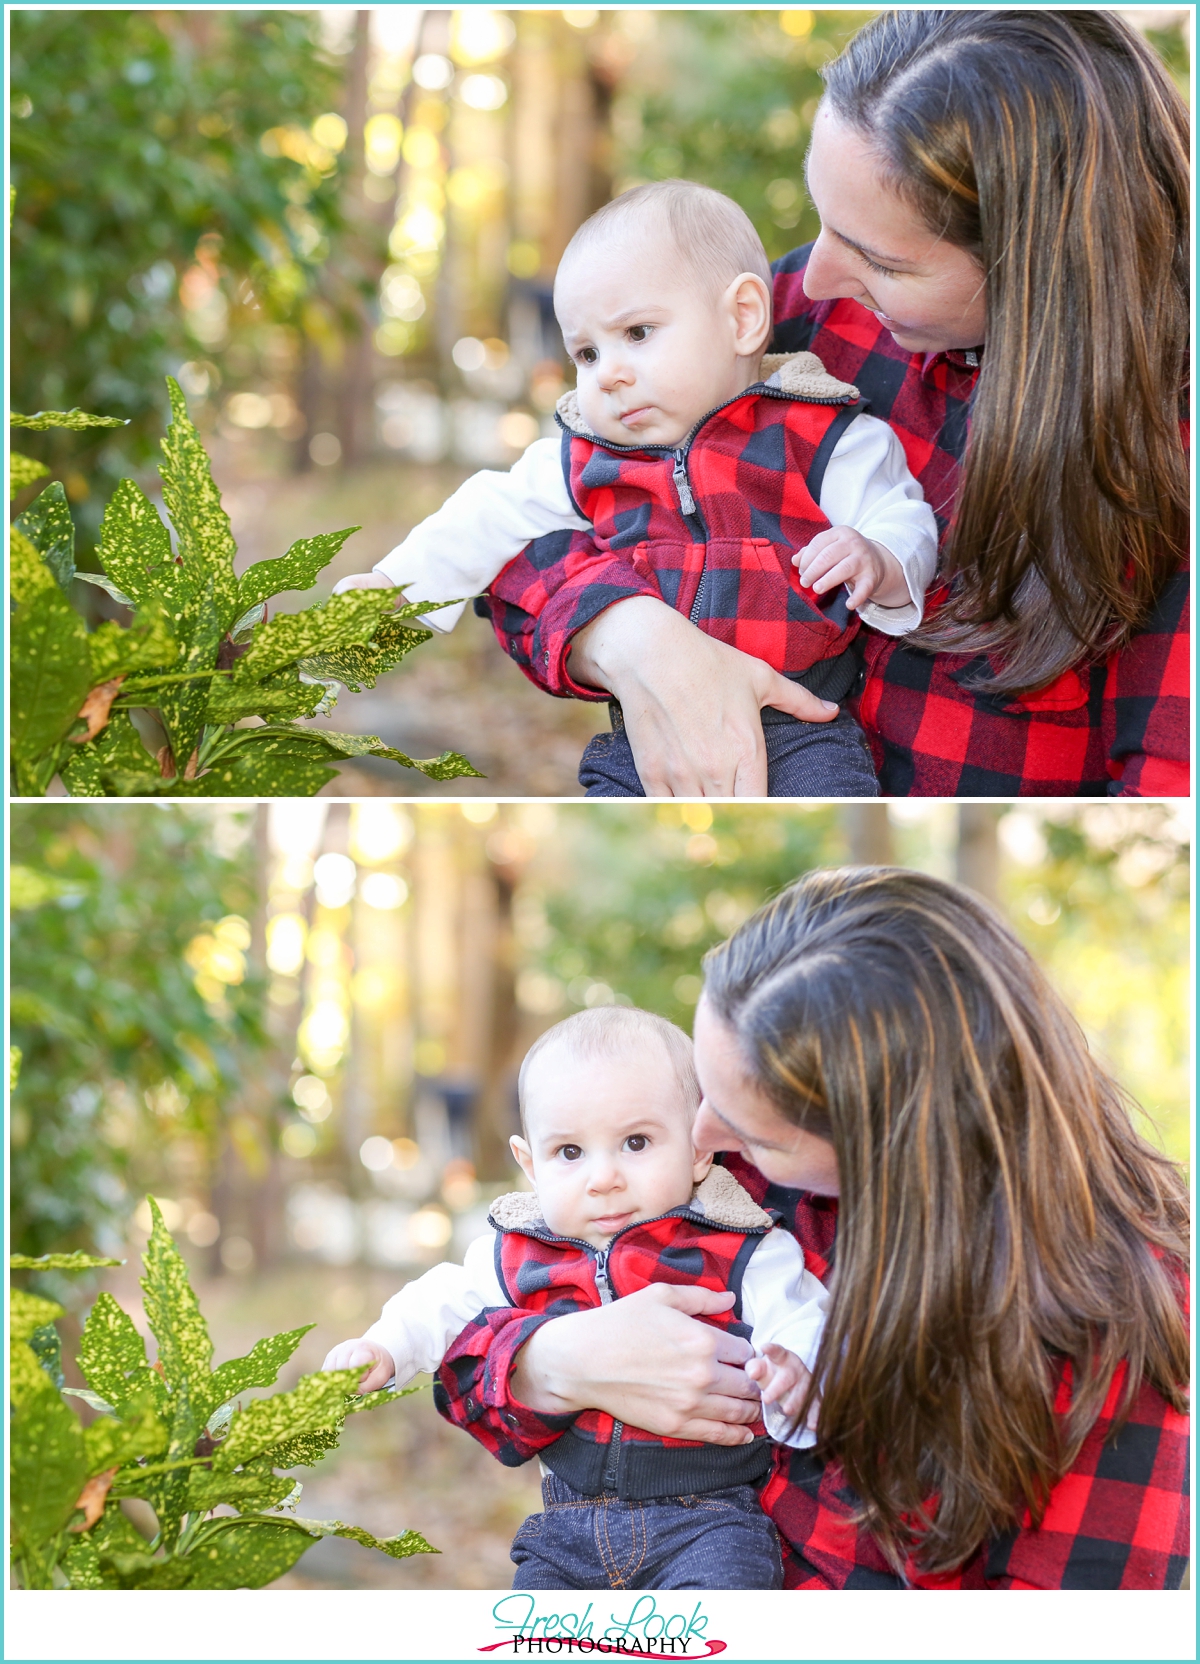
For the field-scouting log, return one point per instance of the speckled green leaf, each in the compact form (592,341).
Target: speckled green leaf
(398,1547)
(146,644)
(50,671)
(48,525)
(135,551)
(109,1443)
(449,766)
(112,1357)
(317,1401)
(350,617)
(260,1366)
(304,1451)
(198,626)
(28,1313)
(357,668)
(245,1553)
(282,695)
(81,1563)
(22,471)
(296,570)
(116,749)
(46,1345)
(174,1316)
(255,1488)
(59,1262)
(47,1465)
(194,504)
(266,771)
(146,1571)
(76,419)
(100,580)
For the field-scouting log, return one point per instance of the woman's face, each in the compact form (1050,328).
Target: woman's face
(735,1114)
(874,248)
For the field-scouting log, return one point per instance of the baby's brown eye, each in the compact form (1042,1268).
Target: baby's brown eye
(571,1152)
(637,1142)
(587,355)
(639,332)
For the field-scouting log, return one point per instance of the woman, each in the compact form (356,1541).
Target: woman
(1003,1376)
(1014,178)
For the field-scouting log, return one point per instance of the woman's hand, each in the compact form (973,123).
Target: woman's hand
(691,704)
(646,1361)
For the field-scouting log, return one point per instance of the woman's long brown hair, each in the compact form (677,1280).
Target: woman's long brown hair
(998,1212)
(1053,146)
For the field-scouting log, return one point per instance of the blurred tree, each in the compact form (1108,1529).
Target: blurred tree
(173,202)
(132,1006)
(728,98)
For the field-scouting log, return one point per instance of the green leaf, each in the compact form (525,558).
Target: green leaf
(383,1395)
(109,1443)
(282,695)
(99,580)
(268,768)
(48,525)
(59,1262)
(135,550)
(358,667)
(46,1345)
(50,670)
(26,889)
(22,471)
(398,1547)
(318,1401)
(449,766)
(296,570)
(350,617)
(145,644)
(81,1563)
(112,1357)
(47,1465)
(198,625)
(184,1346)
(259,1368)
(254,1487)
(304,1451)
(76,419)
(28,1313)
(246,1553)
(140,1570)
(206,545)
(117,750)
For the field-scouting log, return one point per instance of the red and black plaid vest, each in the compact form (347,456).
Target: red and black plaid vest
(715,523)
(541,1272)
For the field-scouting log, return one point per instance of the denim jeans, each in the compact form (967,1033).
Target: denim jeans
(804,759)
(715,1540)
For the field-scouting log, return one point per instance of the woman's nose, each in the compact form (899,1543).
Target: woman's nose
(708,1134)
(830,273)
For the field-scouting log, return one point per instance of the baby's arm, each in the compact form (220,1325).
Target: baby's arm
(883,538)
(417,1325)
(786,1307)
(476,532)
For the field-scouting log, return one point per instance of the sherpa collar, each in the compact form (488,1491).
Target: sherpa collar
(801,374)
(718,1197)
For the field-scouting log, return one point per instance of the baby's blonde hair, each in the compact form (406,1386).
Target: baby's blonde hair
(609,1031)
(715,238)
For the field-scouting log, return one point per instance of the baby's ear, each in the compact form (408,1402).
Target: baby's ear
(701,1165)
(523,1156)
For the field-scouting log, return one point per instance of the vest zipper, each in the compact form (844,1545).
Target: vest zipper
(686,501)
(603,1286)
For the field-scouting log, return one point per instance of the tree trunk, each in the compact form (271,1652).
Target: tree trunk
(869,833)
(977,858)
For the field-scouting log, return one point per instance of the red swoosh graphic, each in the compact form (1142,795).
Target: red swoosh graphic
(608,1651)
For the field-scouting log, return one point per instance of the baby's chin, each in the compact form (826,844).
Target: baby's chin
(653,432)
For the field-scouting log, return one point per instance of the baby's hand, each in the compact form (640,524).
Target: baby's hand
(843,556)
(351,1353)
(363,580)
(783,1380)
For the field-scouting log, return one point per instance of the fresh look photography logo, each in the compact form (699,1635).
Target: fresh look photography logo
(645,1631)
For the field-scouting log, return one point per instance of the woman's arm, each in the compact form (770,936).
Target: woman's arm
(516,1380)
(1147,703)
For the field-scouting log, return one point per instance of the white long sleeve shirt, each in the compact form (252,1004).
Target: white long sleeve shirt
(491,517)
(782,1302)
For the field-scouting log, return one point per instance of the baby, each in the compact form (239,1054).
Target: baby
(751,494)
(621,1199)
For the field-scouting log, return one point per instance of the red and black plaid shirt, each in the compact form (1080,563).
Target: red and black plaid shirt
(1117,1520)
(1118,727)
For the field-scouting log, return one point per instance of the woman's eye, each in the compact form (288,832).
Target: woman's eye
(570,1152)
(884,271)
(639,332)
(637,1142)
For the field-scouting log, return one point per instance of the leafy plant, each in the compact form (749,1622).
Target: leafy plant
(199,652)
(175,1434)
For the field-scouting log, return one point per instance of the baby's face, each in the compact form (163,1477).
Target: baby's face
(609,1141)
(653,350)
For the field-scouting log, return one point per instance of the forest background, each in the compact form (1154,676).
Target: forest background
(338,229)
(298,1026)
